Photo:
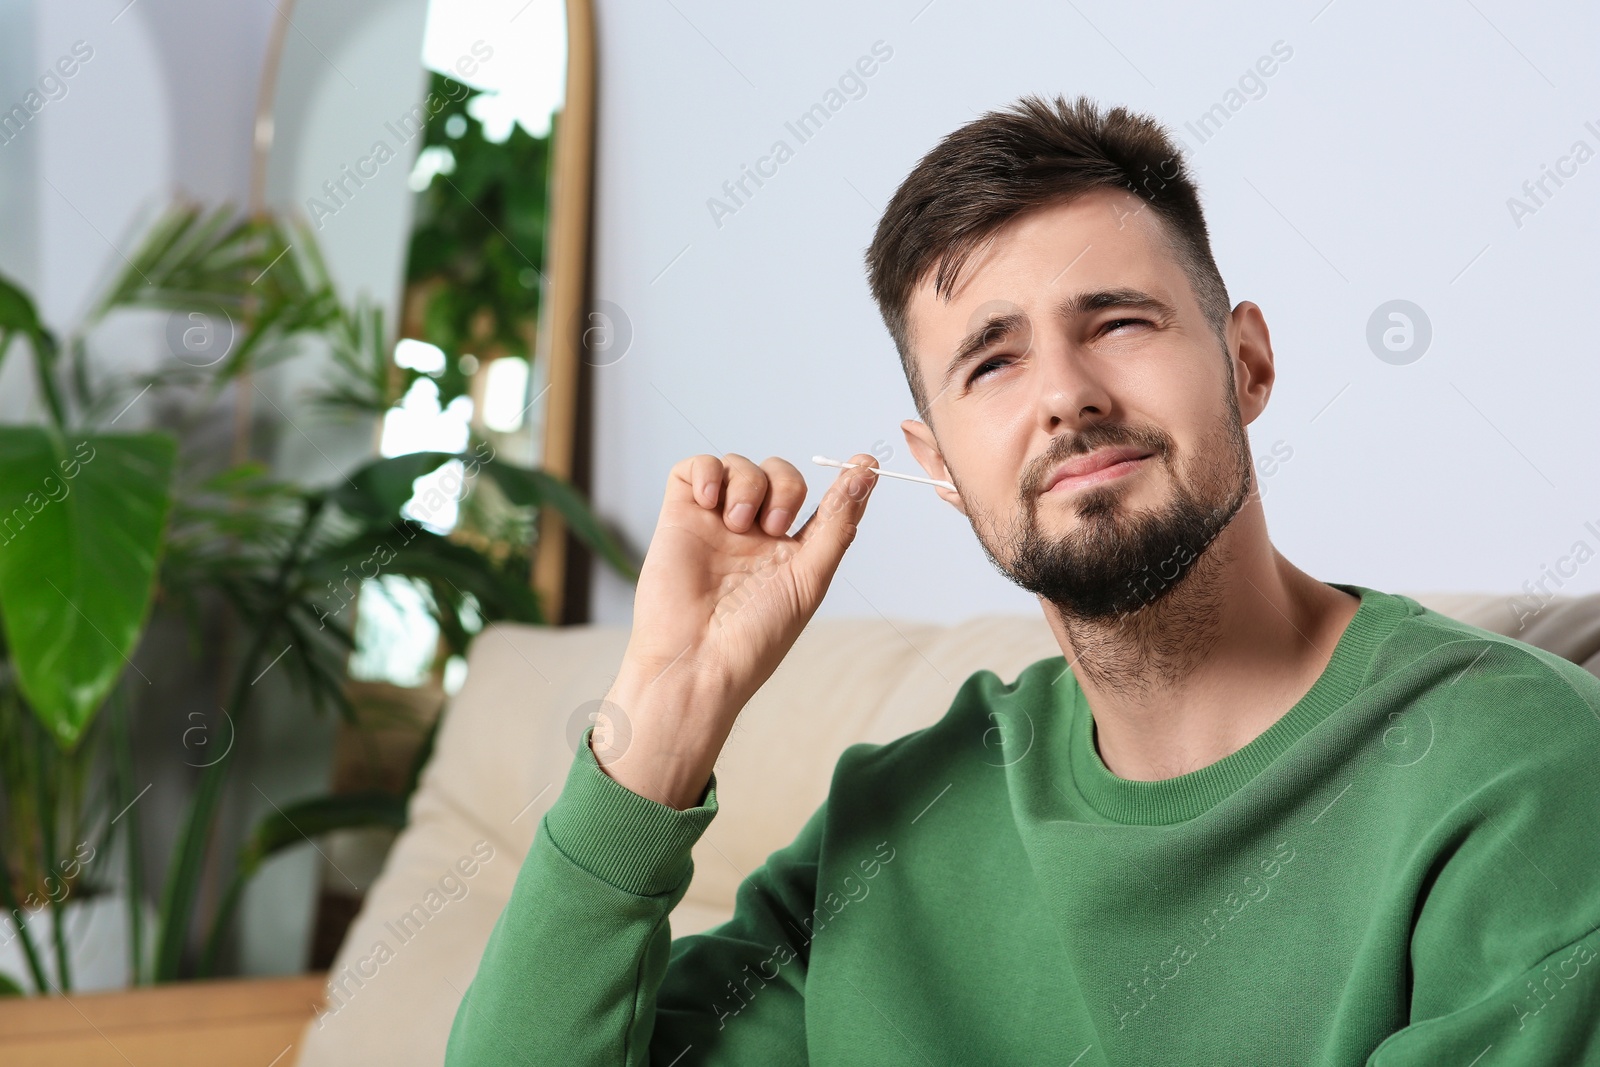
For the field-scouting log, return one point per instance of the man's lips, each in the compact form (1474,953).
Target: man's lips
(1100,465)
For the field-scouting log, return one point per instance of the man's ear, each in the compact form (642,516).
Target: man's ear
(926,450)
(1255,373)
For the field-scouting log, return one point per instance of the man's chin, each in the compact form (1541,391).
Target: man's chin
(1109,507)
(1097,529)
(1101,568)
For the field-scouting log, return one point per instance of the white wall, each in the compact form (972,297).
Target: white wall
(18,155)
(1376,165)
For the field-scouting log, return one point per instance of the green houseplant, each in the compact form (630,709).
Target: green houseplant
(73,602)
(109,526)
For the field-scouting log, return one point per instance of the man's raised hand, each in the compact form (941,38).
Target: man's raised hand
(723,594)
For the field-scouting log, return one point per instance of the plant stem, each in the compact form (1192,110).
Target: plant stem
(58,928)
(122,756)
(219,925)
(35,967)
(47,819)
(183,874)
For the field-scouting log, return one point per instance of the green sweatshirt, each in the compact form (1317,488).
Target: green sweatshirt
(1403,869)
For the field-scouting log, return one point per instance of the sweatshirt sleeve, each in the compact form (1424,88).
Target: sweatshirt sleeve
(1549,1013)
(1505,949)
(581,968)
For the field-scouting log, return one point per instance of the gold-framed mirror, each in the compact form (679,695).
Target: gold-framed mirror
(339,140)
(441,153)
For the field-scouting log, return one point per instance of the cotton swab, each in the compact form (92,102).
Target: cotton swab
(826,462)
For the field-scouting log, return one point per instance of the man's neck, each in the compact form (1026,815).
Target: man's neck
(1203,670)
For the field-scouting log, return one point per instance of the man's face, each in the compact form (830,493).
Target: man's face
(1080,332)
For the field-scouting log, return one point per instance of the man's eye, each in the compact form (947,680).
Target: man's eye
(1118,322)
(980,369)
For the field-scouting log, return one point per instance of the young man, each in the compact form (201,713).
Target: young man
(1261,818)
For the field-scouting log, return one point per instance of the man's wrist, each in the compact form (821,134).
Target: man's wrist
(671,778)
(659,743)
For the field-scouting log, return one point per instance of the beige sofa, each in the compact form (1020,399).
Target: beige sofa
(507,742)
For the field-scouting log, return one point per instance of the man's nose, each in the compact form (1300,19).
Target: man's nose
(1069,387)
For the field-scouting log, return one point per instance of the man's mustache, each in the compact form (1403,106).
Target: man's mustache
(1084,442)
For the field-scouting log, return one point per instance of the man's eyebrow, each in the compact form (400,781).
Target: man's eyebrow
(999,328)
(995,329)
(1100,299)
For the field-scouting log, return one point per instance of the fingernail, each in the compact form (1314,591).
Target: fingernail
(740,514)
(778,521)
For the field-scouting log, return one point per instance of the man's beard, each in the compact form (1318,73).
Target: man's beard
(1114,563)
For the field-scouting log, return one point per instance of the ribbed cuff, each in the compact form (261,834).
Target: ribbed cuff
(632,842)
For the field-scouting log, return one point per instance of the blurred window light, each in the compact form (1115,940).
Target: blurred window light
(526,65)
(396,637)
(455,675)
(419,355)
(497,112)
(418,424)
(432,160)
(505,394)
(436,497)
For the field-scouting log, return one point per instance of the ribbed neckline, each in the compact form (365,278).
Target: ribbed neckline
(1189,795)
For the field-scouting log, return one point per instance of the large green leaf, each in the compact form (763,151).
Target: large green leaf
(538,489)
(454,571)
(19,316)
(305,819)
(16,310)
(380,489)
(81,521)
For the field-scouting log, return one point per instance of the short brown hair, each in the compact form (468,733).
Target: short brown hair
(1006,162)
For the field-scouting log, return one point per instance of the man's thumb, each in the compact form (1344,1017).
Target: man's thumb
(830,529)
